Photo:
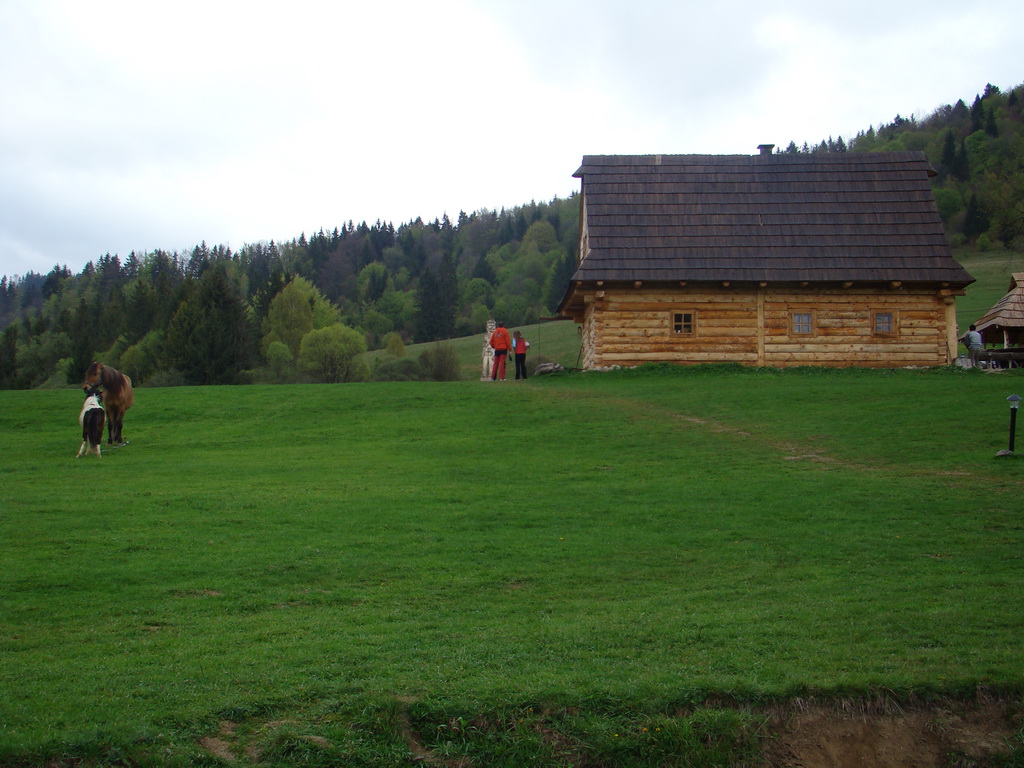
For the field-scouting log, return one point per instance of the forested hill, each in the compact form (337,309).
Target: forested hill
(978,154)
(213,315)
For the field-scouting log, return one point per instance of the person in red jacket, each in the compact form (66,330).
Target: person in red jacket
(500,343)
(519,347)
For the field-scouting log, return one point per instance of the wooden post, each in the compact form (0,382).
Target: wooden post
(951,333)
(760,326)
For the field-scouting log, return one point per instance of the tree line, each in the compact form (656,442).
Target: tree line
(281,311)
(309,307)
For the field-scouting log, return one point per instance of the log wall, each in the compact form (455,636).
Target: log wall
(631,326)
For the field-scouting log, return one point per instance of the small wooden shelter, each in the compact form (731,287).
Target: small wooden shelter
(769,259)
(1004,323)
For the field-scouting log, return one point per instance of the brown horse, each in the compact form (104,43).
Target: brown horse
(118,396)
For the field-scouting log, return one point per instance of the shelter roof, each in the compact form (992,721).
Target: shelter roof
(1008,312)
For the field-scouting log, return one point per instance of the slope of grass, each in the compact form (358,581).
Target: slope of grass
(992,271)
(582,557)
(555,341)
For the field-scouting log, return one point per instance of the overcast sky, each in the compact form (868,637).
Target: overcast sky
(136,125)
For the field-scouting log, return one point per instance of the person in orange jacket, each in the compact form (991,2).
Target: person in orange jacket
(501,342)
(519,347)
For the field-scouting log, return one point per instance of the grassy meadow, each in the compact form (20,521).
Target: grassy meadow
(612,569)
(992,271)
(553,341)
(328,568)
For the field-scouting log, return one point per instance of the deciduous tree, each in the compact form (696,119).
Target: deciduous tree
(298,309)
(330,354)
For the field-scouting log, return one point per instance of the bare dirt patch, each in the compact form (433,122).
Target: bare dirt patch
(220,745)
(935,736)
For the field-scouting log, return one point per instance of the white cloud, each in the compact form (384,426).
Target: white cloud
(141,126)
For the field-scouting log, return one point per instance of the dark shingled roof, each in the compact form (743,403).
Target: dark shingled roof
(817,218)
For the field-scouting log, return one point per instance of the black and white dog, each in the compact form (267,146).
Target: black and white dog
(92,418)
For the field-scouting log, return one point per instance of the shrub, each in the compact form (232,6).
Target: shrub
(397,369)
(330,354)
(440,363)
(279,359)
(394,345)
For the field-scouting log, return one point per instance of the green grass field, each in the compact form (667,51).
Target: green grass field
(604,569)
(327,567)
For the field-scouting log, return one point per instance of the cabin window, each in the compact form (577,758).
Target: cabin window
(884,323)
(684,323)
(802,322)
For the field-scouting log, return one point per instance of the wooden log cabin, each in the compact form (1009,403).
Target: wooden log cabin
(768,260)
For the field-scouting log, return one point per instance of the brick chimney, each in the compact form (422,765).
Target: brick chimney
(766,149)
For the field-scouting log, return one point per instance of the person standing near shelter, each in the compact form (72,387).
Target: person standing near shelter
(972,340)
(519,347)
(501,342)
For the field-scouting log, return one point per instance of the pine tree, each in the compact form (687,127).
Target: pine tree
(83,341)
(990,122)
(437,302)
(448,295)
(961,169)
(949,149)
(209,337)
(990,90)
(140,310)
(977,114)
(976,221)
(427,323)
(9,357)
(484,271)
(560,276)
